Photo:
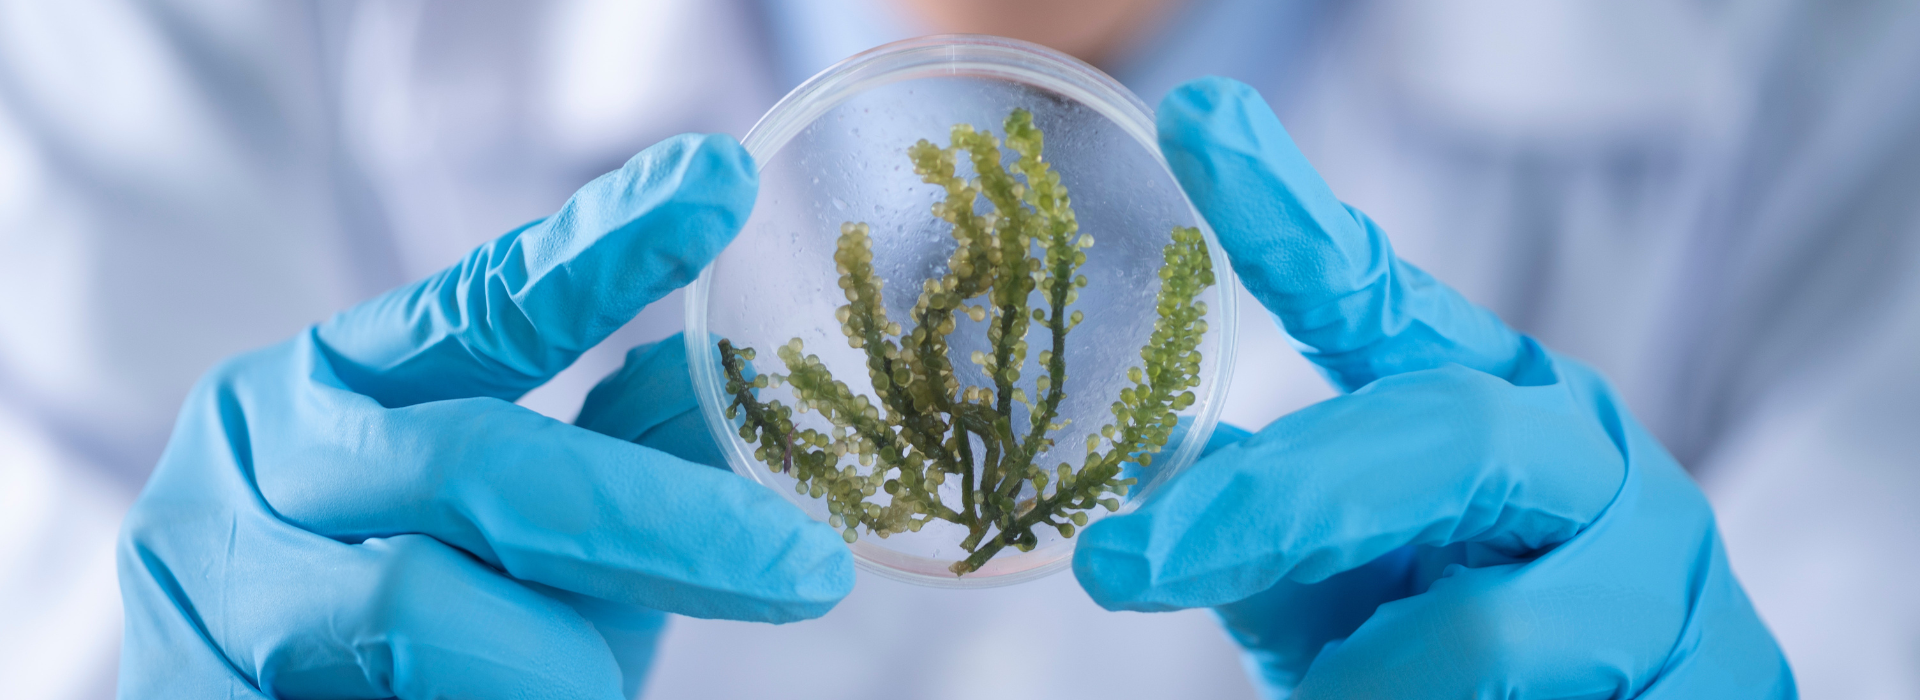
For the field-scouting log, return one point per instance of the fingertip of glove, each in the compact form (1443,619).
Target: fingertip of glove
(662,216)
(1204,95)
(826,575)
(679,203)
(1223,144)
(694,149)
(710,168)
(809,568)
(1113,567)
(718,155)
(1206,110)
(811,575)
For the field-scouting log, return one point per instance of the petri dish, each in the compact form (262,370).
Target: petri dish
(926,422)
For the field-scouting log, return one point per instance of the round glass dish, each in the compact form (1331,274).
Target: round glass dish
(843,186)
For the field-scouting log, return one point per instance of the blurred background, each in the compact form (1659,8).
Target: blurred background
(1714,202)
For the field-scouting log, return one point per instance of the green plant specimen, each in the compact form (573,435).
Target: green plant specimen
(925,426)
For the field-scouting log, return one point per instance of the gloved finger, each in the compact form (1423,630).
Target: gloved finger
(1282,629)
(545,501)
(1322,268)
(1576,623)
(296,615)
(1640,604)
(632,632)
(1424,458)
(519,309)
(650,401)
(1491,633)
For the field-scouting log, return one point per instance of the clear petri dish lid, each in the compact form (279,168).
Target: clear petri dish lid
(971,313)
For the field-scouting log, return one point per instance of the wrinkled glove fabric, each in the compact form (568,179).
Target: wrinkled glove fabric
(1475,516)
(361,512)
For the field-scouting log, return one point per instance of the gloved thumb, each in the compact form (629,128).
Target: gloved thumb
(1325,270)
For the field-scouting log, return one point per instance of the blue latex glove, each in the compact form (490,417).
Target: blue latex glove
(1477,517)
(360,512)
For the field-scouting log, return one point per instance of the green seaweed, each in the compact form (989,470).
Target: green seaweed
(923,424)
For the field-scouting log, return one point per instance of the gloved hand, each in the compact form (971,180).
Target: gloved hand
(359,512)
(1477,517)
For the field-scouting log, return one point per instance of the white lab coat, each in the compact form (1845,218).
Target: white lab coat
(1715,203)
